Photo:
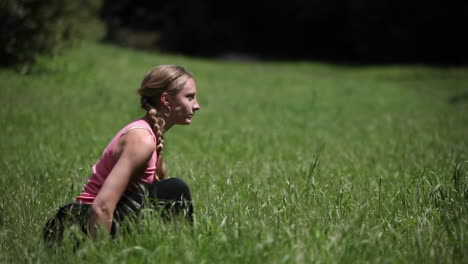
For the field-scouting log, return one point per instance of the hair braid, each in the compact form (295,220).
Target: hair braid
(156,122)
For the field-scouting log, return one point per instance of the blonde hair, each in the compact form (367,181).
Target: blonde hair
(163,78)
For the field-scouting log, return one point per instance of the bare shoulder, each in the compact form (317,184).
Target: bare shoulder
(140,138)
(136,142)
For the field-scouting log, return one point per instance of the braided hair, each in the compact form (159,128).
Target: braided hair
(163,78)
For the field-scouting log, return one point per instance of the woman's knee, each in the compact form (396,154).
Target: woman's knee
(180,185)
(173,189)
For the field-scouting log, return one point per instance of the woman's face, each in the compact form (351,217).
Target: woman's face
(184,104)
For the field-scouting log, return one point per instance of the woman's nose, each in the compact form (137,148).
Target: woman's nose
(196,106)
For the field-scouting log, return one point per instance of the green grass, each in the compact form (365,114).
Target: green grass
(288,162)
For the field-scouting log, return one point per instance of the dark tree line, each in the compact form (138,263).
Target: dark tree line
(350,31)
(377,31)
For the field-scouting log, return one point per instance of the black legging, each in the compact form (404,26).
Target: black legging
(171,195)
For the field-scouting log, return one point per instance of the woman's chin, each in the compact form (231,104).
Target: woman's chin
(187,121)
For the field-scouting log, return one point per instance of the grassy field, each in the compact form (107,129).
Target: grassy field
(288,162)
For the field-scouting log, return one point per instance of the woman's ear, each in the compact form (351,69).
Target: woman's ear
(164,99)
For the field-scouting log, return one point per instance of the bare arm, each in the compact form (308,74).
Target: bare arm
(136,147)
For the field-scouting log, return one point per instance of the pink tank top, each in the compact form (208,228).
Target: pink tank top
(105,164)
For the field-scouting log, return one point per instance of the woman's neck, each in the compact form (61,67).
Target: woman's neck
(165,128)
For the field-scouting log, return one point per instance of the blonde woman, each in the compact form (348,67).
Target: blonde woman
(131,168)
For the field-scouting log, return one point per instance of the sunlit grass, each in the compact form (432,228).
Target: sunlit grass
(288,162)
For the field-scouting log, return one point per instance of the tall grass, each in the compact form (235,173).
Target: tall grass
(288,162)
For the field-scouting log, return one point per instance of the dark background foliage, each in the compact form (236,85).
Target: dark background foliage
(30,28)
(344,31)
(383,31)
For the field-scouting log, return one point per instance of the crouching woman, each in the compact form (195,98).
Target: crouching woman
(130,174)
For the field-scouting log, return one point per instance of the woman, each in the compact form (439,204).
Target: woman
(131,168)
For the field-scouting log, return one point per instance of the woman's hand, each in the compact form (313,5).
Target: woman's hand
(133,152)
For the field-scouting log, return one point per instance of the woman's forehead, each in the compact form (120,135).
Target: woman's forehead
(189,86)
